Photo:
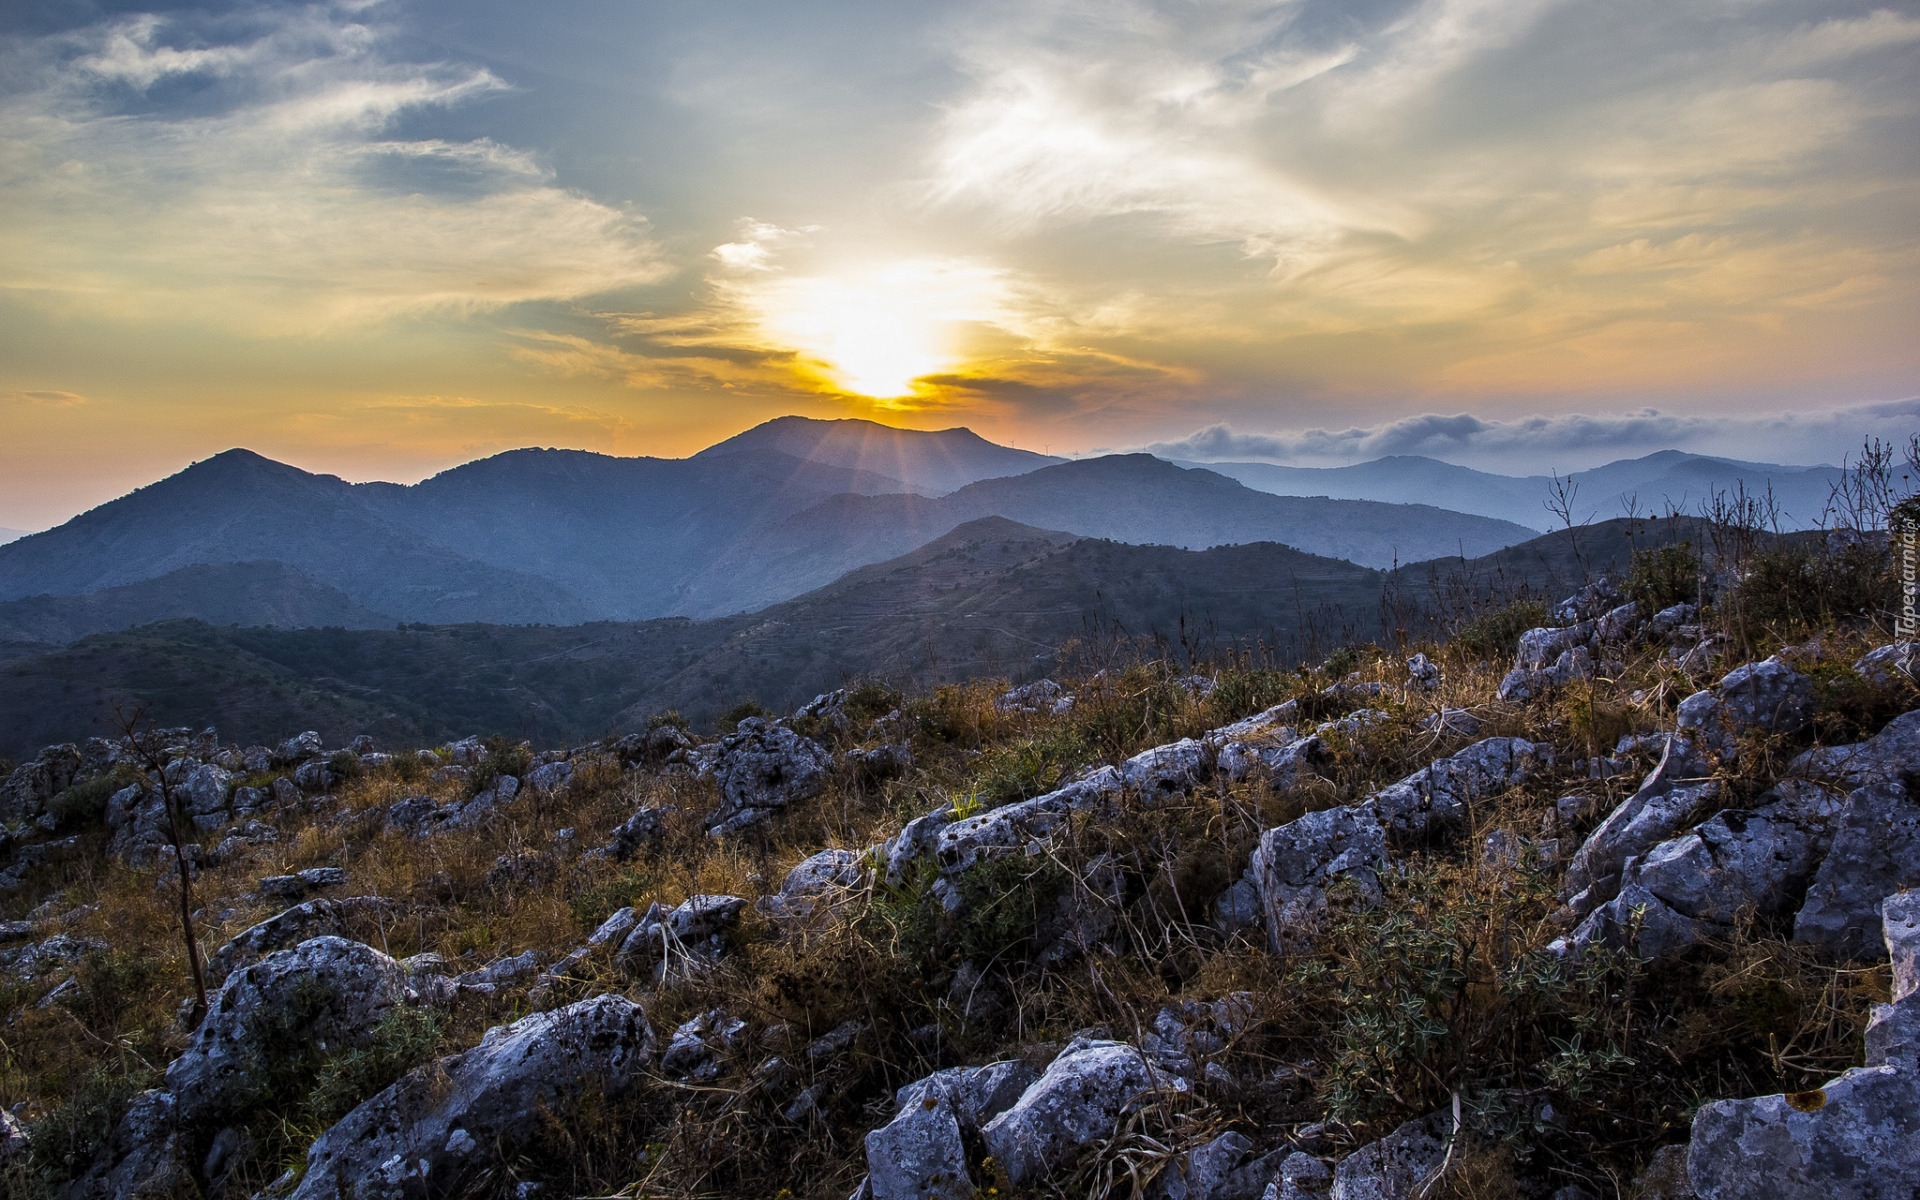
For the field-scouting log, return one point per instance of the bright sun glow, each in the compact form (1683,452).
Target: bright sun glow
(874,333)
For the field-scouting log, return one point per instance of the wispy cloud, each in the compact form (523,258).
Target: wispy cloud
(46,399)
(1534,441)
(247,172)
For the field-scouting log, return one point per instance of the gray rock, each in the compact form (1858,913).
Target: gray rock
(297,749)
(1082,1095)
(142,1161)
(315,775)
(690,1054)
(1398,1166)
(1301,1177)
(920,1154)
(1538,648)
(691,932)
(645,827)
(14,1142)
(1666,1175)
(1168,770)
(328,992)
(1294,864)
(1440,793)
(1617,623)
(450,1121)
(550,777)
(761,769)
(812,886)
(1037,697)
(978,1094)
(1202,1173)
(1591,600)
(916,839)
(1885,666)
(1875,852)
(1893,753)
(1668,620)
(1456,721)
(295,925)
(1664,804)
(961,844)
(1857,1138)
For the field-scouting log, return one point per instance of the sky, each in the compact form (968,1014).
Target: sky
(382,238)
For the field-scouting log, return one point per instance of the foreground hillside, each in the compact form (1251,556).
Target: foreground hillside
(1606,913)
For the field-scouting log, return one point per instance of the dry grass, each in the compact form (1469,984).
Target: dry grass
(1566,1075)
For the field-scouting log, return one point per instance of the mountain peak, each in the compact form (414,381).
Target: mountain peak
(931,461)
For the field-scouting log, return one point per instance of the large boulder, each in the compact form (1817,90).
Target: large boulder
(1767,696)
(1893,753)
(1875,851)
(960,844)
(290,927)
(1666,802)
(1440,792)
(1081,1097)
(812,887)
(1885,666)
(322,996)
(1697,886)
(454,1121)
(143,1160)
(24,794)
(691,932)
(1400,1166)
(1857,1138)
(1294,865)
(920,1154)
(762,768)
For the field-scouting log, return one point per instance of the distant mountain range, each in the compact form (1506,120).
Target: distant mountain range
(991,597)
(1669,480)
(562,537)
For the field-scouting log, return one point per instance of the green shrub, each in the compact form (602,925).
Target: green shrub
(730,720)
(1030,767)
(1798,587)
(86,803)
(66,1140)
(669,719)
(1663,576)
(1493,635)
(404,1039)
(503,757)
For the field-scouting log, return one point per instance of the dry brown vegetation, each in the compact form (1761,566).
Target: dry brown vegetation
(1440,995)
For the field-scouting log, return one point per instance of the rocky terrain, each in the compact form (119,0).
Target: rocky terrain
(1622,910)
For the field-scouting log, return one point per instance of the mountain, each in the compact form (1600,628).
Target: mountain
(563,536)
(1127,497)
(240,507)
(1656,483)
(992,596)
(254,593)
(932,462)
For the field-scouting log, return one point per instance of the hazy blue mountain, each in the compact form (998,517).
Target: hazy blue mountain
(560,536)
(248,593)
(1670,479)
(933,462)
(1132,498)
(625,535)
(987,598)
(241,507)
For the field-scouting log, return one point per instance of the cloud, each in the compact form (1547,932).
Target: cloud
(1535,440)
(247,171)
(47,399)
(1488,187)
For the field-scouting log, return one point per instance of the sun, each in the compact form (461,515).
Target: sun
(874,333)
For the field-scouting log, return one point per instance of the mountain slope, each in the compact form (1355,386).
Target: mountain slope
(1656,483)
(992,596)
(1130,498)
(241,507)
(933,462)
(259,593)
